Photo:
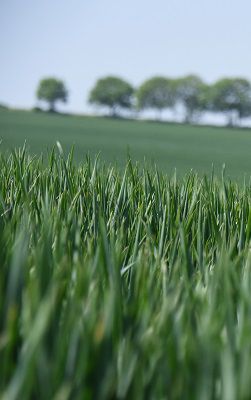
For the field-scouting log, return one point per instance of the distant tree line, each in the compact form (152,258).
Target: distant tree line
(228,96)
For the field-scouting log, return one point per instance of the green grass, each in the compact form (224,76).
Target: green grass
(122,284)
(169,145)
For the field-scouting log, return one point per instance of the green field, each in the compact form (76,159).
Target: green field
(169,145)
(122,284)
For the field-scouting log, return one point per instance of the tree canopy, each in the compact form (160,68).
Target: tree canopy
(231,96)
(112,92)
(156,93)
(52,90)
(191,92)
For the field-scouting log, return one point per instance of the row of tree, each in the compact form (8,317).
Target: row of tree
(229,96)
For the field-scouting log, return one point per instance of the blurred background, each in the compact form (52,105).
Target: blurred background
(82,40)
(179,61)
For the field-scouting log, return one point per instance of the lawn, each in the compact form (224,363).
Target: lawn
(170,146)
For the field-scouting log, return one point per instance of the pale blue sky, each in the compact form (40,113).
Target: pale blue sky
(82,40)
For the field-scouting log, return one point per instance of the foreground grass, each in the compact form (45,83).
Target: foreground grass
(122,285)
(170,146)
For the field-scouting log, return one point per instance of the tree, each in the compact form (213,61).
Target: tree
(231,96)
(112,92)
(156,93)
(52,90)
(191,92)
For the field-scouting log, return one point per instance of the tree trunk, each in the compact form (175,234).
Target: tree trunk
(159,114)
(188,117)
(113,113)
(231,120)
(52,106)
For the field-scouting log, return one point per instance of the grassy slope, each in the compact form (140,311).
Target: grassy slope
(169,145)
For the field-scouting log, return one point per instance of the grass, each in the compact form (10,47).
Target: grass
(169,145)
(122,284)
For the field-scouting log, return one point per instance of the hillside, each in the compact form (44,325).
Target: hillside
(169,145)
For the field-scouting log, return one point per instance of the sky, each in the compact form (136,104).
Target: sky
(80,41)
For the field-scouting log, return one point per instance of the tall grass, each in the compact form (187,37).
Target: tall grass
(124,285)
